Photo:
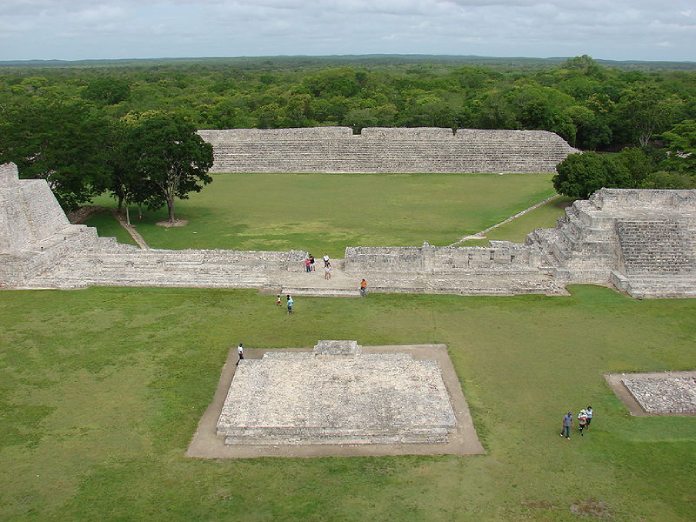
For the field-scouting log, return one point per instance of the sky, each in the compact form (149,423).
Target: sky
(99,29)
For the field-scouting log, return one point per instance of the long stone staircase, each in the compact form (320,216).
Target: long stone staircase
(337,149)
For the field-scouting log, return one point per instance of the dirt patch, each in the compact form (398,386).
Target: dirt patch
(590,508)
(175,224)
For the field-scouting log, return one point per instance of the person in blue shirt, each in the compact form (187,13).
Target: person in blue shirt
(567,423)
(290,304)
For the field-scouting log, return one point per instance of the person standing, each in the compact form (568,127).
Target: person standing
(291,303)
(308,265)
(326,260)
(589,413)
(327,270)
(278,303)
(311,262)
(363,287)
(582,421)
(567,423)
(240,353)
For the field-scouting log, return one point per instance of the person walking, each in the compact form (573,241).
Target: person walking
(326,260)
(240,353)
(567,423)
(582,421)
(363,287)
(291,303)
(327,270)
(589,413)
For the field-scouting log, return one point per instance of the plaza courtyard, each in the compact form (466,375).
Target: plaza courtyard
(102,390)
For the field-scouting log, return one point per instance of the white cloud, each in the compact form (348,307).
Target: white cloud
(75,29)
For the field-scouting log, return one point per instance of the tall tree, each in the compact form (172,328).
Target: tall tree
(165,152)
(646,109)
(65,143)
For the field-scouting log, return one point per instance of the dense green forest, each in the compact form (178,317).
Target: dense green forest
(592,106)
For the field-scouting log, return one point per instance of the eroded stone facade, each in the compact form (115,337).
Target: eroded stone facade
(377,149)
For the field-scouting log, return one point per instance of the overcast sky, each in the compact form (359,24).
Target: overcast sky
(82,29)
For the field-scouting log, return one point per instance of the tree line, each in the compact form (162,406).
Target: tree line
(72,124)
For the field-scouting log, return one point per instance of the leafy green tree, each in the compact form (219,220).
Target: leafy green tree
(107,90)
(669,180)
(579,175)
(681,142)
(591,131)
(637,162)
(65,143)
(644,110)
(166,154)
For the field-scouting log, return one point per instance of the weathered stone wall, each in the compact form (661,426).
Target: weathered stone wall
(337,149)
(641,242)
(503,255)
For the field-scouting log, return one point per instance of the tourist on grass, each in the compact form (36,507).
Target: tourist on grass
(291,303)
(363,287)
(589,413)
(327,270)
(240,352)
(582,421)
(567,424)
(278,303)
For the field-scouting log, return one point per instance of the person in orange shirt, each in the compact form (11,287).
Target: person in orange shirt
(363,287)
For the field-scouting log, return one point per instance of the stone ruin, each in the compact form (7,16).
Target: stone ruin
(336,394)
(425,149)
(642,242)
(656,393)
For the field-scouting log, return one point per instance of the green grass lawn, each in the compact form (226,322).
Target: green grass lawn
(108,226)
(543,217)
(324,213)
(101,391)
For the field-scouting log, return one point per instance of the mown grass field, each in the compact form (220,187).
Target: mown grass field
(101,391)
(324,213)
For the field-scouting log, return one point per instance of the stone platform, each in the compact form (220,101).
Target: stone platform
(667,393)
(338,399)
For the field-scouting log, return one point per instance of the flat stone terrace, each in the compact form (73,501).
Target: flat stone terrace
(310,398)
(425,149)
(667,393)
(346,400)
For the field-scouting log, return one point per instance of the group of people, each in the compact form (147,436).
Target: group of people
(310,265)
(584,421)
(289,300)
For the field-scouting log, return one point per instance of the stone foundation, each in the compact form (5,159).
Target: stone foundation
(336,395)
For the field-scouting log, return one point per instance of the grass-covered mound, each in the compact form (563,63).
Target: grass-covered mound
(324,213)
(101,391)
